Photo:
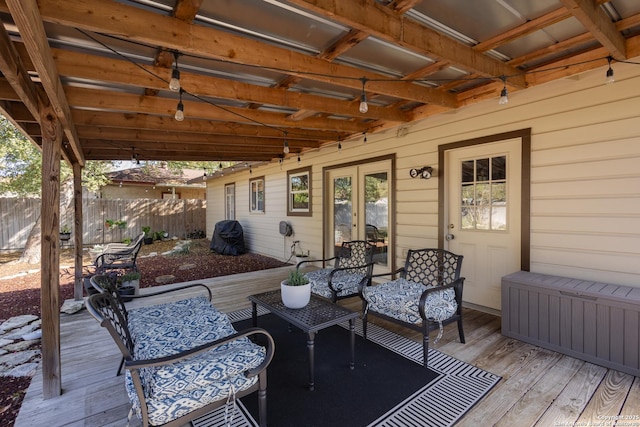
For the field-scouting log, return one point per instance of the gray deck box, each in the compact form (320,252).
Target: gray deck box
(592,321)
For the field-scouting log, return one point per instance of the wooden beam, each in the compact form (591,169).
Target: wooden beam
(50,252)
(118,101)
(16,74)
(369,16)
(111,17)
(27,18)
(92,67)
(168,124)
(599,25)
(78,287)
(528,27)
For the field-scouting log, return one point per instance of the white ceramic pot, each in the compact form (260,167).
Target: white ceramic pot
(295,296)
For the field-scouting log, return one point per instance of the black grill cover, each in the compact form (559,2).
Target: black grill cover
(228,238)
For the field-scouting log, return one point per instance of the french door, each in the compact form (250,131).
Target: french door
(359,199)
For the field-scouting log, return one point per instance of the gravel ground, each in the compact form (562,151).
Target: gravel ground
(20,290)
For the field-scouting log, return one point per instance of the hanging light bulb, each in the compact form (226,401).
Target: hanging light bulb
(365,137)
(298,158)
(180,109)
(504,95)
(174,83)
(364,107)
(220,166)
(204,177)
(133,155)
(286,144)
(610,79)
(339,145)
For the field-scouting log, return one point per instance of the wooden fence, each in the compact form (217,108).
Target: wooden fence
(176,217)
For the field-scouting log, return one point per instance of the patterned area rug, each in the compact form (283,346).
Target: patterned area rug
(440,402)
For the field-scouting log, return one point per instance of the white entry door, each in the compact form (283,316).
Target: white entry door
(483,216)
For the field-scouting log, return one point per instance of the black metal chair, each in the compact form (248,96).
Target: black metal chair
(119,256)
(426,296)
(352,269)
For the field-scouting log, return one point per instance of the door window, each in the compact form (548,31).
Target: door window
(484,194)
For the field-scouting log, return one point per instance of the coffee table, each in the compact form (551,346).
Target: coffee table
(318,314)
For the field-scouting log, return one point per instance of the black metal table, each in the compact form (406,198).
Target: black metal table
(318,314)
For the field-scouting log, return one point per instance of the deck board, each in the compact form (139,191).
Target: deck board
(539,387)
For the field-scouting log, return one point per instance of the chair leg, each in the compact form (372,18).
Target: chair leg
(262,398)
(425,343)
(120,367)
(460,331)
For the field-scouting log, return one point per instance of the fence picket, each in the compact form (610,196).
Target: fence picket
(176,217)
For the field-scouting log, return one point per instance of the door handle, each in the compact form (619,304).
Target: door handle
(450,236)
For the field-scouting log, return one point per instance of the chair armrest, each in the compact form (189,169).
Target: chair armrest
(365,280)
(457,287)
(168,360)
(179,288)
(314,260)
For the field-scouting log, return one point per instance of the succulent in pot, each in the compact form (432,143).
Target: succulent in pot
(295,290)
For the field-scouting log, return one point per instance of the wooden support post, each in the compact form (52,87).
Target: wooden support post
(78,221)
(50,260)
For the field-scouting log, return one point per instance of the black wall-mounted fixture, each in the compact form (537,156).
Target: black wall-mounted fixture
(424,173)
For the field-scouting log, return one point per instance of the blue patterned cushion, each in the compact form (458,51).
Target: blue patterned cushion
(400,299)
(177,389)
(344,282)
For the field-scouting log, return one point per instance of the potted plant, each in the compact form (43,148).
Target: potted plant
(148,236)
(295,290)
(130,279)
(65,233)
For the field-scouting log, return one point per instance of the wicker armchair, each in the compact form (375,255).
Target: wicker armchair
(426,296)
(352,269)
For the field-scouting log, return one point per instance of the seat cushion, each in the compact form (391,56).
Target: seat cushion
(172,391)
(400,299)
(343,282)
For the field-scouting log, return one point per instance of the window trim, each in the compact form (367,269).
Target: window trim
(264,194)
(226,200)
(291,174)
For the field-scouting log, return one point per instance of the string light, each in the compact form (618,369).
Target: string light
(610,79)
(504,95)
(364,107)
(365,137)
(204,177)
(180,109)
(298,158)
(220,166)
(339,145)
(286,144)
(174,83)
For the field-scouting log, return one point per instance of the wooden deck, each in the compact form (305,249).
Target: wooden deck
(539,387)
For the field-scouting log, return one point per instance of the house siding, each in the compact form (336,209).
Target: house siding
(585,180)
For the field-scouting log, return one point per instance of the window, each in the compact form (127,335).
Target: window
(484,196)
(256,195)
(230,201)
(299,192)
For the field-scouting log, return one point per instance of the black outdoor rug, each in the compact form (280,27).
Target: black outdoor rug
(388,387)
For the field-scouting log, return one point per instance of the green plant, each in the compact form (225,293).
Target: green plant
(126,240)
(297,278)
(159,235)
(147,231)
(129,277)
(65,229)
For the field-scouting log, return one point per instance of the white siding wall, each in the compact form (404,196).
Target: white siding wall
(585,179)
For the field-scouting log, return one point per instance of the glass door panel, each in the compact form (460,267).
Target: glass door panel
(342,211)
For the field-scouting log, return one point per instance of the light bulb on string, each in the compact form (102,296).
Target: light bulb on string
(298,158)
(364,107)
(504,95)
(174,83)
(286,144)
(610,79)
(339,146)
(365,137)
(180,109)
